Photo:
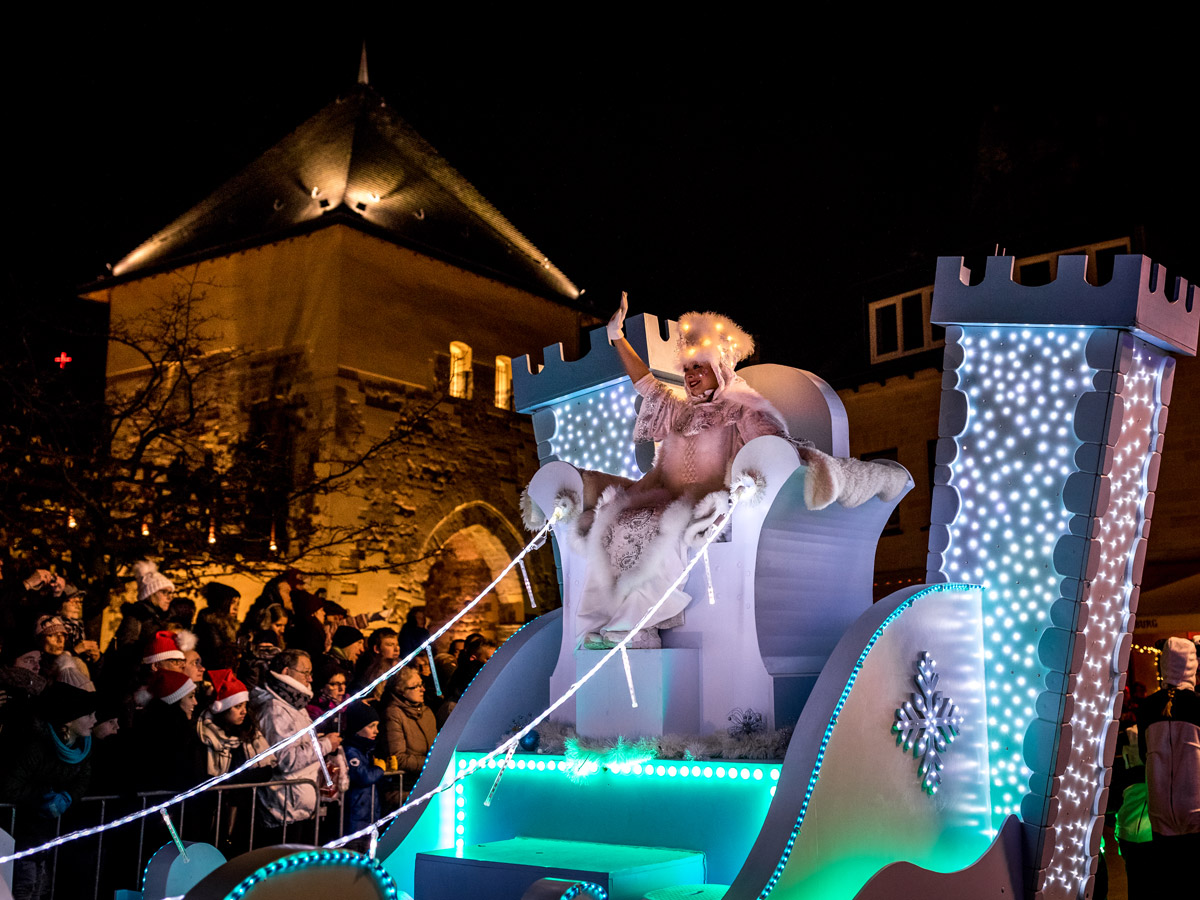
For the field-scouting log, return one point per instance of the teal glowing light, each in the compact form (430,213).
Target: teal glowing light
(687,799)
(833,720)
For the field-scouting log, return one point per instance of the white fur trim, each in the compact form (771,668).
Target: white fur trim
(704,514)
(166,654)
(570,504)
(230,701)
(851,482)
(182,691)
(185,640)
(532,516)
(292,682)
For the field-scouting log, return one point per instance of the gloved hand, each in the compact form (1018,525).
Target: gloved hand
(54,804)
(616,325)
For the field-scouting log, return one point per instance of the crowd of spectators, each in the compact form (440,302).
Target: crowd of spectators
(176,698)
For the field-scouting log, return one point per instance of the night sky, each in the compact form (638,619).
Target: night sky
(724,167)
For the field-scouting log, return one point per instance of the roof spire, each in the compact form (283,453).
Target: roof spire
(362,66)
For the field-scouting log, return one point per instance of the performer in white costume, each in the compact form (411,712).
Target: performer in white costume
(638,538)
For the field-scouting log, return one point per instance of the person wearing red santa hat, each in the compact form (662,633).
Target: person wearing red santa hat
(163,653)
(229,738)
(165,743)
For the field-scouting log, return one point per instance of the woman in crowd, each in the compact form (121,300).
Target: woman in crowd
(59,664)
(409,727)
(165,746)
(330,686)
(217,626)
(637,536)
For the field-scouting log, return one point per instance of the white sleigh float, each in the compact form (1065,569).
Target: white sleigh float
(791,633)
(946,742)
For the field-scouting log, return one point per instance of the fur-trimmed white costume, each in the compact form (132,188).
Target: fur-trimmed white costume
(638,539)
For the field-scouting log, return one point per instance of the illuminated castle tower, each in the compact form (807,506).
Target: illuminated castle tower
(1054,407)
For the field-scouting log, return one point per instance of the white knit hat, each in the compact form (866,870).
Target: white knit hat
(150,580)
(1178,663)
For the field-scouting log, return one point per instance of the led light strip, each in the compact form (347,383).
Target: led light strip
(736,773)
(291,739)
(318,858)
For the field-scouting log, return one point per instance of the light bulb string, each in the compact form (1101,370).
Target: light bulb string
(558,513)
(740,491)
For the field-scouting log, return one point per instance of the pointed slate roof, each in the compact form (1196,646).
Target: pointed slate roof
(355,162)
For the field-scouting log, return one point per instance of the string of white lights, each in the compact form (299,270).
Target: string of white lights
(742,490)
(558,513)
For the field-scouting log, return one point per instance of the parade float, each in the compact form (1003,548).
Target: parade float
(792,739)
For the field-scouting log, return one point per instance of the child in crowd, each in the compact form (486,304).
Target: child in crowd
(362,800)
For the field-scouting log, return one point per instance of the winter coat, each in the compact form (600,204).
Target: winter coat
(139,622)
(1169,738)
(167,755)
(278,719)
(364,775)
(119,668)
(1172,754)
(252,670)
(408,731)
(32,771)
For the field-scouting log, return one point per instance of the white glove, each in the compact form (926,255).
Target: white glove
(616,325)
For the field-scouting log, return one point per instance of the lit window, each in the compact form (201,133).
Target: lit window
(503,382)
(460,370)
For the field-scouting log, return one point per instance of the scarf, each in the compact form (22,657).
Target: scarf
(290,691)
(72,756)
(410,708)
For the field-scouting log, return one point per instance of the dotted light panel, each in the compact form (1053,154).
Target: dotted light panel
(1022,386)
(1120,530)
(595,431)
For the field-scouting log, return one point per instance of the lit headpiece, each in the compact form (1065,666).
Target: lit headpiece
(714,339)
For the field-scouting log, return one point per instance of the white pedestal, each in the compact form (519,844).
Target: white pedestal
(667,683)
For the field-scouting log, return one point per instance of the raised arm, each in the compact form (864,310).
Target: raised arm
(632,363)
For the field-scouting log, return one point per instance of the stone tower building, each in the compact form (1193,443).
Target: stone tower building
(362,281)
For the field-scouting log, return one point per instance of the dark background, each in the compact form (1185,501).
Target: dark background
(782,177)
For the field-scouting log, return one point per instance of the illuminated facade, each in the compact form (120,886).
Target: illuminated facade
(364,279)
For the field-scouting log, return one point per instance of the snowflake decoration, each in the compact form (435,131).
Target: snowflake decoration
(745,721)
(927,723)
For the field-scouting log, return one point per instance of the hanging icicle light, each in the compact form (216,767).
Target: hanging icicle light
(70,519)
(274,546)
(146,527)
(212,531)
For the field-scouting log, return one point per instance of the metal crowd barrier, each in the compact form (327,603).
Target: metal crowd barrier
(212,802)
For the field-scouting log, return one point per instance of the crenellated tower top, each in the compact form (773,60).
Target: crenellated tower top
(557,379)
(1139,297)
